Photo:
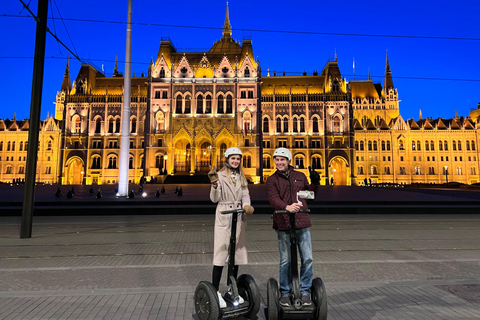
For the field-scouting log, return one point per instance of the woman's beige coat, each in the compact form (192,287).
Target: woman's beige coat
(229,197)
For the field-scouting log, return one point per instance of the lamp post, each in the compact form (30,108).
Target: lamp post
(165,167)
(446,174)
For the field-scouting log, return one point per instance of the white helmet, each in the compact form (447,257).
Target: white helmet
(232,151)
(283,152)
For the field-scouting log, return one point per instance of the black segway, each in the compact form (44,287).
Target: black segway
(206,298)
(318,309)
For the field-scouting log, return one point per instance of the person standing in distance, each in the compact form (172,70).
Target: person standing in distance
(229,188)
(282,188)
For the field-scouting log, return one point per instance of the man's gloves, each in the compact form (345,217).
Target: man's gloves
(314,176)
(213,175)
(248,210)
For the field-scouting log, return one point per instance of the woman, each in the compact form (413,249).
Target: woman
(230,190)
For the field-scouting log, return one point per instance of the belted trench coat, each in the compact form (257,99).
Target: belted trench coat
(229,197)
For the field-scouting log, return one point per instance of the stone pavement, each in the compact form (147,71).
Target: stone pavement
(147,267)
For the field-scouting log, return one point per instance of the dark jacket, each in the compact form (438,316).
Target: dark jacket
(282,191)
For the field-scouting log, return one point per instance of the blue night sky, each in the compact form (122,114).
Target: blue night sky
(413,61)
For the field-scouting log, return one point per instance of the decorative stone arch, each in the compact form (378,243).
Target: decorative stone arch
(225,63)
(316,160)
(159,65)
(247,63)
(299,160)
(338,169)
(74,170)
(183,65)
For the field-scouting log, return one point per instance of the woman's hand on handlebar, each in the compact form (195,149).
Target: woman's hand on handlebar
(294,207)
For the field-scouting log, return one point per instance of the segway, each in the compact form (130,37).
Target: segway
(318,309)
(206,299)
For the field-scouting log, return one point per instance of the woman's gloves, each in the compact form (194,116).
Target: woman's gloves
(248,209)
(213,175)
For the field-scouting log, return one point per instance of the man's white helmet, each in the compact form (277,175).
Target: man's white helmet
(232,151)
(283,152)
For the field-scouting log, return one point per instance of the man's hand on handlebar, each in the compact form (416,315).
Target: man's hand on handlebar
(294,207)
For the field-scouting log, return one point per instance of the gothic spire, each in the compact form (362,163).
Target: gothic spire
(388,76)
(420,115)
(227,29)
(66,86)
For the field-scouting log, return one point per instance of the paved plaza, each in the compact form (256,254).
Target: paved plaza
(147,267)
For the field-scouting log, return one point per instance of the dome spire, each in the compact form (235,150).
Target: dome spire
(227,29)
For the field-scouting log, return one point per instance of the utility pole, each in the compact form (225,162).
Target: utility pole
(33,132)
(127,87)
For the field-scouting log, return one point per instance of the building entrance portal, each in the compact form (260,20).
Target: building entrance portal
(338,171)
(75,171)
(204,158)
(182,156)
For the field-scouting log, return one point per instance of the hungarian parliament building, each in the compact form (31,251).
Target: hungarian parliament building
(192,106)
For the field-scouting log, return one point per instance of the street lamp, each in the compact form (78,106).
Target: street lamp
(165,167)
(446,174)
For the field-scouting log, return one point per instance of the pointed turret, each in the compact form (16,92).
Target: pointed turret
(456,114)
(115,70)
(227,29)
(420,115)
(66,84)
(388,77)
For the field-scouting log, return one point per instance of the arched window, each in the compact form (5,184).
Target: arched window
(414,146)
(247,121)
(356,145)
(336,124)
(302,124)
(279,125)
(98,125)
(459,145)
(229,104)
(160,122)
(369,145)
(110,125)
(117,125)
(265,125)
(162,73)
(130,162)
(208,104)
(473,145)
(454,145)
(134,125)
(383,145)
(315,125)
(77,124)
(112,162)
(426,145)
(13,146)
(285,124)
(388,145)
(440,145)
(299,162)
(188,104)
(247,72)
(375,145)
(445,144)
(362,146)
(432,145)
(295,124)
(266,162)
(96,162)
(1,145)
(247,161)
(220,104)
(468,145)
(316,163)
(178,105)
(49,145)
(199,104)
(400,145)
(419,147)
(159,162)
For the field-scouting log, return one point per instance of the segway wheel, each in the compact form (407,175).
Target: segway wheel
(206,301)
(319,297)
(248,289)
(272,299)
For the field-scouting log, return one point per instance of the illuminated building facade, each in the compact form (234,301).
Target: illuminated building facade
(192,106)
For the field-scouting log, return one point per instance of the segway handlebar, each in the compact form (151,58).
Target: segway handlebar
(233,211)
(299,211)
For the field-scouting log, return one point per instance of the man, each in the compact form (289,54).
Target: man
(282,188)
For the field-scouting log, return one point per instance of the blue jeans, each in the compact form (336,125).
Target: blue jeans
(304,243)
